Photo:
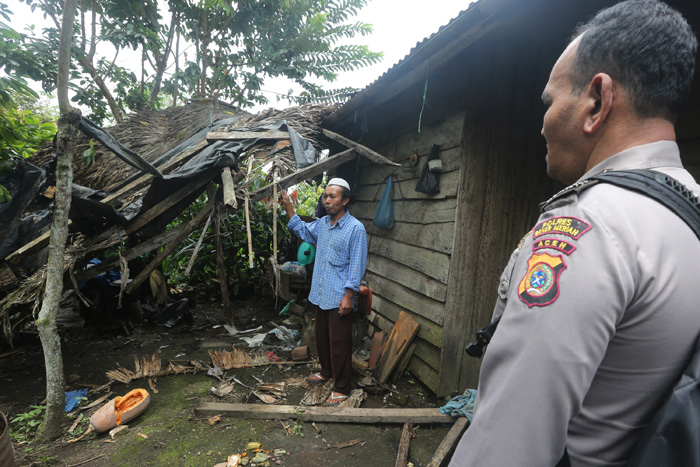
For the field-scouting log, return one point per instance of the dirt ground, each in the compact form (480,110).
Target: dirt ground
(170,432)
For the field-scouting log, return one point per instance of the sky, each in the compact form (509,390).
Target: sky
(398,26)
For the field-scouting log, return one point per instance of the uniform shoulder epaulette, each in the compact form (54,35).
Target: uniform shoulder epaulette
(575,188)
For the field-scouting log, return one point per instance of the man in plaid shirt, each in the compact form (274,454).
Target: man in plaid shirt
(341,257)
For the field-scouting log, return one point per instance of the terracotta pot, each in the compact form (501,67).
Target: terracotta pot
(120,410)
(7,455)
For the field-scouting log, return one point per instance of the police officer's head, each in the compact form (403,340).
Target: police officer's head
(646,46)
(619,83)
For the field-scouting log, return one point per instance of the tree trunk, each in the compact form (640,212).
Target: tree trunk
(161,62)
(46,322)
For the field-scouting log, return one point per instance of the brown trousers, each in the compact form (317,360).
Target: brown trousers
(334,344)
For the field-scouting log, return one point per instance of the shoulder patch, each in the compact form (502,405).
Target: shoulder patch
(561,245)
(570,226)
(540,286)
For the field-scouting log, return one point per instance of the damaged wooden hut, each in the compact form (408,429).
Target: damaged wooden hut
(469,95)
(125,201)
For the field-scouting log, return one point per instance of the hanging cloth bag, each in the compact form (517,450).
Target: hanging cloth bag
(384,218)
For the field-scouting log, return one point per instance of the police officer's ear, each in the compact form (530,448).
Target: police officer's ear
(599,101)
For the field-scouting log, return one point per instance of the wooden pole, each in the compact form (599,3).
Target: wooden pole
(197,247)
(404,444)
(274,214)
(453,436)
(220,264)
(247,214)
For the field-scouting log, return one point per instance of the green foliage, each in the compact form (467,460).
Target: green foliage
(88,155)
(235,239)
(23,129)
(228,49)
(24,425)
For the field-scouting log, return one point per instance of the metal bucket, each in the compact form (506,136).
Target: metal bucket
(7,455)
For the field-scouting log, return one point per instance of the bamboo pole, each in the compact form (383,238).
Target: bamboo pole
(247,214)
(274,214)
(197,247)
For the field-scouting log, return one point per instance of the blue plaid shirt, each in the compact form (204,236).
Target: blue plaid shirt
(341,257)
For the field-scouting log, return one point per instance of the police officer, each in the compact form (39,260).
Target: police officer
(599,310)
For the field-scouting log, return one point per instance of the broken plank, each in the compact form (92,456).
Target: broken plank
(140,249)
(303,174)
(360,149)
(404,444)
(241,135)
(166,168)
(229,188)
(325,414)
(399,340)
(450,440)
(193,185)
(189,228)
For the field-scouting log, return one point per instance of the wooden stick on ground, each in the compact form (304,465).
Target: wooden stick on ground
(404,444)
(325,414)
(247,214)
(453,436)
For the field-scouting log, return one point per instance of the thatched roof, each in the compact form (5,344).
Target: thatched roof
(149,133)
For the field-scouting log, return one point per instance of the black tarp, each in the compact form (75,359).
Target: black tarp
(23,182)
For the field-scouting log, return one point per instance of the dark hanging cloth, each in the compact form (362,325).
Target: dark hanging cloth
(429,182)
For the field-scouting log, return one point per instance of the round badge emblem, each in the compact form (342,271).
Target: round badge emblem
(539,279)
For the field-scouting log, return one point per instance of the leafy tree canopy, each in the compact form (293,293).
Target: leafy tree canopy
(201,48)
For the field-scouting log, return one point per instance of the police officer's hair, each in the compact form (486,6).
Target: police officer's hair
(647,46)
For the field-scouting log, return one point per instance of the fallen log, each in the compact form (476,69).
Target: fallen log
(404,444)
(325,414)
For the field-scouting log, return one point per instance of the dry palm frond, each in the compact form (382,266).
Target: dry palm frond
(297,383)
(122,375)
(227,360)
(317,394)
(225,387)
(270,393)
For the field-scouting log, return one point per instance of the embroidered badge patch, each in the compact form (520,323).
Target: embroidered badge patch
(540,286)
(561,245)
(570,226)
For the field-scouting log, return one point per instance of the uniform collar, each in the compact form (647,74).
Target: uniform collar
(645,156)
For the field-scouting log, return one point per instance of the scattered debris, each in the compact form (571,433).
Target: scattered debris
(354,399)
(224,388)
(214,420)
(237,358)
(300,353)
(234,460)
(98,401)
(119,431)
(317,394)
(354,442)
(152,386)
(253,445)
(78,419)
(270,393)
(143,435)
(318,430)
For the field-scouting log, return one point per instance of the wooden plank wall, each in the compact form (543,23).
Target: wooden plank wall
(408,266)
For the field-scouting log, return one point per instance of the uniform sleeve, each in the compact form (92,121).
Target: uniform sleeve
(570,287)
(358,259)
(307,231)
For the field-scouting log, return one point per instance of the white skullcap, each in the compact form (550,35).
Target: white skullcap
(338,182)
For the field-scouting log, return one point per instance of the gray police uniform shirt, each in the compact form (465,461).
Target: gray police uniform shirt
(599,318)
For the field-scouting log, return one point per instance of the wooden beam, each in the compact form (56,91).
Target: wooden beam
(166,168)
(308,172)
(451,439)
(189,228)
(229,188)
(192,186)
(362,150)
(140,249)
(220,263)
(325,414)
(241,135)
(404,444)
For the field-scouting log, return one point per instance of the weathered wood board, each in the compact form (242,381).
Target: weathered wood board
(436,237)
(242,135)
(407,299)
(325,414)
(411,211)
(449,182)
(431,263)
(424,350)
(449,442)
(451,160)
(389,311)
(407,277)
(403,332)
